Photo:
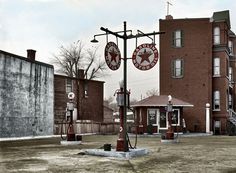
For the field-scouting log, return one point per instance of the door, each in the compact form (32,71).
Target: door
(152,120)
(163,120)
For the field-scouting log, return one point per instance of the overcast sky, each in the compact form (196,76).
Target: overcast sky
(45,25)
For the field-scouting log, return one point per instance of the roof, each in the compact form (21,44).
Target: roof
(222,16)
(161,100)
(25,59)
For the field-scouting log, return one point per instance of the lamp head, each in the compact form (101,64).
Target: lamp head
(94,40)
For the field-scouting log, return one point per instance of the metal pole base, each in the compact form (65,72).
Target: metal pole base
(71,133)
(122,145)
(169,135)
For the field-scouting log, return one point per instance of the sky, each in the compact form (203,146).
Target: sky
(45,25)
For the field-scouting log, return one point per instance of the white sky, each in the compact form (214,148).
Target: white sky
(45,25)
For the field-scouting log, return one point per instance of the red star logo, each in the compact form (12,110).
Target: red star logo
(145,56)
(113,55)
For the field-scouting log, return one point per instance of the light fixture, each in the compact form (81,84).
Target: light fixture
(94,40)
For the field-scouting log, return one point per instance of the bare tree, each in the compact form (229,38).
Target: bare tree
(74,57)
(152,92)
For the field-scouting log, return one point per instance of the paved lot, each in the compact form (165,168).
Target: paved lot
(193,154)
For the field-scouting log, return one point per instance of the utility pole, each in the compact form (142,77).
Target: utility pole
(125,37)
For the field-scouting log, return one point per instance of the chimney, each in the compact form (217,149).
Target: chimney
(169,17)
(31,54)
(81,74)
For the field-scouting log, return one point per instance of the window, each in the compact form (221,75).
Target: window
(177,38)
(216,101)
(152,116)
(217,35)
(85,90)
(175,117)
(68,85)
(230,101)
(177,68)
(230,45)
(216,68)
(230,74)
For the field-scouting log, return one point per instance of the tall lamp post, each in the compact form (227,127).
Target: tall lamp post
(125,37)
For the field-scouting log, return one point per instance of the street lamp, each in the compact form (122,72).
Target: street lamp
(125,37)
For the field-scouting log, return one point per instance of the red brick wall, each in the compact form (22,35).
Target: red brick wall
(195,87)
(89,108)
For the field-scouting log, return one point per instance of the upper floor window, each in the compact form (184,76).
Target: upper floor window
(68,85)
(177,38)
(216,100)
(230,45)
(230,74)
(216,68)
(177,68)
(217,35)
(230,101)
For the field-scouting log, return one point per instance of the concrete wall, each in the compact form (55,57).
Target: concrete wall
(26,97)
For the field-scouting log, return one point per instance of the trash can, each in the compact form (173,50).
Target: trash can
(107,147)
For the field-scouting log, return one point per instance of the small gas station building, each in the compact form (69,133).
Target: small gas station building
(152,116)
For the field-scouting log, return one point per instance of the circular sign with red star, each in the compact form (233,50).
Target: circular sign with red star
(145,56)
(112,56)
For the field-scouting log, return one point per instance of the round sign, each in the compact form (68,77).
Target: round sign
(112,56)
(71,96)
(145,56)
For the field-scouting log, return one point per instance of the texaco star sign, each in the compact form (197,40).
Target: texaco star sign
(112,56)
(145,56)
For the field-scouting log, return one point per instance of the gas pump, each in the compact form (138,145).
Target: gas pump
(170,132)
(70,108)
(122,143)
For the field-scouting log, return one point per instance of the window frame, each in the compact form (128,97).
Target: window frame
(231,47)
(216,35)
(216,100)
(178,118)
(175,69)
(216,67)
(69,85)
(177,39)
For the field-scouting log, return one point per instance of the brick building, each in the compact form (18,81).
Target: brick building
(197,64)
(88,101)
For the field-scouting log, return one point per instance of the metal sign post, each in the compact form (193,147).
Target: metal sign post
(125,37)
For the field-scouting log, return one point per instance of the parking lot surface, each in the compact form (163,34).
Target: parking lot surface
(203,154)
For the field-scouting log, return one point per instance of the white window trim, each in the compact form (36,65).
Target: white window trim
(156,110)
(214,101)
(214,35)
(216,75)
(162,128)
(71,85)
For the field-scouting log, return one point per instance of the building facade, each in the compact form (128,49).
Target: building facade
(197,64)
(88,99)
(26,96)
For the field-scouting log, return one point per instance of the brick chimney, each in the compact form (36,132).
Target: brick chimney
(81,74)
(169,17)
(31,54)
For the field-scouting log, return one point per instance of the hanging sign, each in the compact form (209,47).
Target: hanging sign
(145,56)
(112,56)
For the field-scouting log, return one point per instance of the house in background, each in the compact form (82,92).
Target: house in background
(88,99)
(198,65)
(152,111)
(26,96)
(108,113)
